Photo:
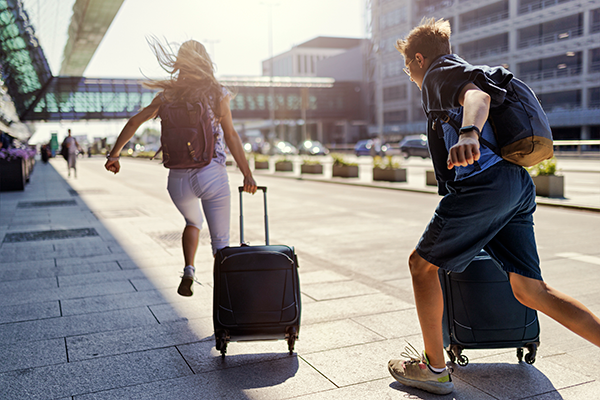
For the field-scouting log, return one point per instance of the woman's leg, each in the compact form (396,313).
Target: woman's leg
(190,239)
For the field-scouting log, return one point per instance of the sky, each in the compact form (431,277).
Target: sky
(235,32)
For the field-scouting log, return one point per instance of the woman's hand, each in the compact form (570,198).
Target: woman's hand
(249,184)
(112,166)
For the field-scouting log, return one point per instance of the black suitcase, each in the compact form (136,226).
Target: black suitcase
(256,291)
(481,312)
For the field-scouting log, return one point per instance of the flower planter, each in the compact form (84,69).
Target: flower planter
(311,169)
(430,178)
(549,186)
(345,171)
(261,165)
(284,166)
(13,175)
(389,174)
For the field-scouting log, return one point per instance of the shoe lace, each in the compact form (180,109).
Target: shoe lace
(412,353)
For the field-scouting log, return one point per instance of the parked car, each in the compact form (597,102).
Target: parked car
(414,146)
(313,148)
(281,147)
(369,147)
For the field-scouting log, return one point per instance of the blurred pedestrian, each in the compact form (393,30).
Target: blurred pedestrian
(70,150)
(192,81)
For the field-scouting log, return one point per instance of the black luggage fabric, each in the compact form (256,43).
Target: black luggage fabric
(256,291)
(481,312)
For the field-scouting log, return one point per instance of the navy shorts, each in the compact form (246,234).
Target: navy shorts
(492,210)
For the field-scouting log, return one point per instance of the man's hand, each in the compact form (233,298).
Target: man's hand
(465,152)
(112,166)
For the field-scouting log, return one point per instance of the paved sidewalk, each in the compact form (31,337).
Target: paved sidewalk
(88,307)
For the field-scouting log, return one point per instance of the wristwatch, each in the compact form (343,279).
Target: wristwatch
(469,128)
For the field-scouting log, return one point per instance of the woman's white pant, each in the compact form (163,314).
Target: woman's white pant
(209,185)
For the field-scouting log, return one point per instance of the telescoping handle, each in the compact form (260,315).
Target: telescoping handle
(264,190)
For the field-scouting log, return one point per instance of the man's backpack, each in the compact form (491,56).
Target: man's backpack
(521,127)
(187,139)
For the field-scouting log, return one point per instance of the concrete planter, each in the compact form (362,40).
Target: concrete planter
(549,186)
(311,169)
(284,166)
(430,178)
(345,171)
(13,175)
(261,165)
(389,175)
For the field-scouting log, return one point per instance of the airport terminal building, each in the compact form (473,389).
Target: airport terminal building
(552,45)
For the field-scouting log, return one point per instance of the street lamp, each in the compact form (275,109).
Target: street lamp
(270,5)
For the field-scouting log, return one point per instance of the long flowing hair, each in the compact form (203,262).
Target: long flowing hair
(191,73)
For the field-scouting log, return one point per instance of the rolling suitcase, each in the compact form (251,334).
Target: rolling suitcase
(481,312)
(256,291)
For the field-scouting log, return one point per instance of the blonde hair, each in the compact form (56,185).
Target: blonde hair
(430,38)
(192,74)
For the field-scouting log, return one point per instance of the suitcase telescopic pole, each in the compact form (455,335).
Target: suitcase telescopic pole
(264,190)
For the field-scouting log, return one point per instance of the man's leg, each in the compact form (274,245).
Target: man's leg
(562,308)
(430,307)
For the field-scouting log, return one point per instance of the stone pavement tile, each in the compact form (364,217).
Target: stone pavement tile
(24,286)
(392,325)
(92,248)
(140,338)
(8,266)
(71,379)
(69,292)
(519,380)
(333,335)
(100,277)
(389,389)
(320,276)
(329,310)
(204,357)
(27,355)
(355,364)
(75,325)
(47,268)
(15,252)
(91,260)
(336,290)
(111,302)
(589,390)
(30,311)
(200,305)
(275,379)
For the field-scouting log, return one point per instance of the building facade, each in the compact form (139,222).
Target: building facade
(552,45)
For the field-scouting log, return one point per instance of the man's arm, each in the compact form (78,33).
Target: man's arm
(476,107)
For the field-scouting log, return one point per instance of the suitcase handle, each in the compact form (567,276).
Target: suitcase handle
(264,190)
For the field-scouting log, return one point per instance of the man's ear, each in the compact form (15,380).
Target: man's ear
(420,59)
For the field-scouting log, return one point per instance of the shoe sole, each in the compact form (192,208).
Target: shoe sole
(424,385)
(185,287)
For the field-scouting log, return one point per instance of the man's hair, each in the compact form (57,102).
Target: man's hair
(430,38)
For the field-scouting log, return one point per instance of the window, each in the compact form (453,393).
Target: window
(393,93)
(399,116)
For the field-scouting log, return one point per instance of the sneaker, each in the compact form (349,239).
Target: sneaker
(415,372)
(187,281)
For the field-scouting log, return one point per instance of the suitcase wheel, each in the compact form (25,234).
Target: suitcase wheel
(221,343)
(530,357)
(456,356)
(291,334)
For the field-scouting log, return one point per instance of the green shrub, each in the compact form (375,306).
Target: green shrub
(261,157)
(310,161)
(546,167)
(340,161)
(386,162)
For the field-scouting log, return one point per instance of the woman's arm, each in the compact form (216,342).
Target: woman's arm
(233,141)
(112,164)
